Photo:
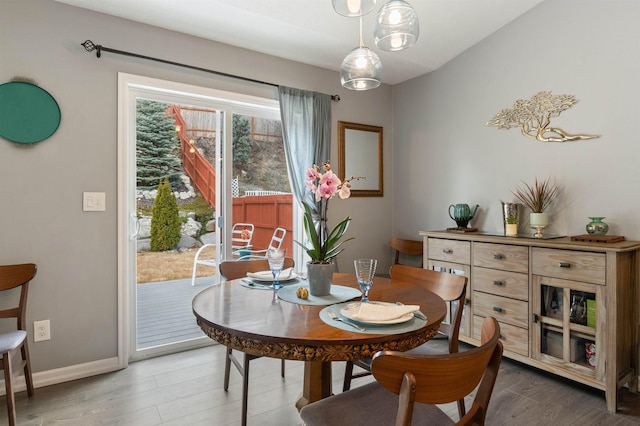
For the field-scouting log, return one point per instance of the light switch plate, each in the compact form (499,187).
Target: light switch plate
(93,201)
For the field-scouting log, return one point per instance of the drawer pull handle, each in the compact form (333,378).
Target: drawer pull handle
(497,309)
(498,256)
(534,318)
(564,265)
(447,251)
(467,302)
(498,283)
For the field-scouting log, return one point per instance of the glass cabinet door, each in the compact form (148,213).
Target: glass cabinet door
(466,326)
(565,324)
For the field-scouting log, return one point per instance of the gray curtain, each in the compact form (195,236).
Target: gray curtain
(306,128)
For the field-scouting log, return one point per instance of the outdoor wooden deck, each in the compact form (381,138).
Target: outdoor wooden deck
(164,311)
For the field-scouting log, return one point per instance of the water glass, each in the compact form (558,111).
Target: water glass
(276,260)
(365,271)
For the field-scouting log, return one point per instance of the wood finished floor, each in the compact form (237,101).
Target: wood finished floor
(186,389)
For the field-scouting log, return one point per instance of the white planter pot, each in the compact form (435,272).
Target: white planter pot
(539,219)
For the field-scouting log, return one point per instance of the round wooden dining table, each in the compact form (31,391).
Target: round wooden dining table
(254,321)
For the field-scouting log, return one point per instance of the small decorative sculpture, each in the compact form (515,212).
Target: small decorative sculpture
(534,117)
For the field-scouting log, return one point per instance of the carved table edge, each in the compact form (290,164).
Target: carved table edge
(337,352)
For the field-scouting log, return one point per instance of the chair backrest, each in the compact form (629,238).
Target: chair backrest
(440,379)
(408,247)
(232,270)
(450,287)
(12,276)
(277,238)
(241,235)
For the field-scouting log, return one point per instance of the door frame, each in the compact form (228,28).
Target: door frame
(131,86)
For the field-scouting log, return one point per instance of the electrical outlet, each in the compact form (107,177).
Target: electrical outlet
(41,330)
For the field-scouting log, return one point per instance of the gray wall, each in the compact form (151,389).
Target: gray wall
(41,186)
(444,154)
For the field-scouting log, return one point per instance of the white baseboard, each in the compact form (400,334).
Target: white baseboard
(65,374)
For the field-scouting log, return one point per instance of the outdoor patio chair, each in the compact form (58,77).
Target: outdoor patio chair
(14,342)
(276,242)
(241,235)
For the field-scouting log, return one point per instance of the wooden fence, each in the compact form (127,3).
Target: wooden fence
(266,212)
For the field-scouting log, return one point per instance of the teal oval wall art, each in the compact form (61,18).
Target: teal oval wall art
(28,113)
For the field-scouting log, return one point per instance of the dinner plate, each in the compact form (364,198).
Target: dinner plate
(352,308)
(264,279)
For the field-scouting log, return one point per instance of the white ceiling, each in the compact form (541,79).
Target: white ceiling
(309,31)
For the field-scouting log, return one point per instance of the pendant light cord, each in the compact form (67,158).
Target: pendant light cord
(89,46)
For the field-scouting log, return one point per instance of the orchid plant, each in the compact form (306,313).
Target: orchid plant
(325,247)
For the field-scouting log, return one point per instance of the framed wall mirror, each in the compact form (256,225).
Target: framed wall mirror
(360,154)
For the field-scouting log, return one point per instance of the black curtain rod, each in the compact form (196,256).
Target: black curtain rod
(89,46)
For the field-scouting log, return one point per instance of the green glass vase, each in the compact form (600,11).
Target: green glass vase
(597,226)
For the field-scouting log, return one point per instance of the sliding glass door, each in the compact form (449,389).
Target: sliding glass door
(180,137)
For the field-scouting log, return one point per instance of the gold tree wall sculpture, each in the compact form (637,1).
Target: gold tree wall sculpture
(534,116)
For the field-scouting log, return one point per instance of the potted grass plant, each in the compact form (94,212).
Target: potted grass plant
(537,197)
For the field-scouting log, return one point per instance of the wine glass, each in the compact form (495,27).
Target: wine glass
(365,270)
(276,260)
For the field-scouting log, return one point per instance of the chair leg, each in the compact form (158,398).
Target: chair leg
(282,368)
(227,369)
(245,389)
(348,372)
(193,275)
(28,378)
(8,375)
(461,408)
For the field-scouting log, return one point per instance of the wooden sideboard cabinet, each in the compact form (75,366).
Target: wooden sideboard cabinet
(567,307)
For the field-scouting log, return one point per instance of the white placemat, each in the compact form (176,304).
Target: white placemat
(337,294)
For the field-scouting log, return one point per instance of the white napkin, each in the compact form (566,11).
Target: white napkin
(285,274)
(379,312)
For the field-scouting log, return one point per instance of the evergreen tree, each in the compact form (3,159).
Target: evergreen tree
(165,222)
(241,143)
(157,147)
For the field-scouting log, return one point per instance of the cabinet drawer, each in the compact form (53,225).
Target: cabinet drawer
(570,265)
(510,311)
(501,283)
(450,250)
(514,339)
(501,256)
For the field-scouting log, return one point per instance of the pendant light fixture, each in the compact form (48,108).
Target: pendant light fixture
(361,69)
(397,26)
(353,8)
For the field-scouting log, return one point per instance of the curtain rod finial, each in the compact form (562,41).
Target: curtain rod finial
(335,98)
(89,46)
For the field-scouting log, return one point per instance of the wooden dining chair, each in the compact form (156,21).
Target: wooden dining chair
(14,342)
(406,247)
(450,287)
(403,378)
(231,270)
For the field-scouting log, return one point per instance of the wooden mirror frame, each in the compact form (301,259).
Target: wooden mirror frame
(353,139)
